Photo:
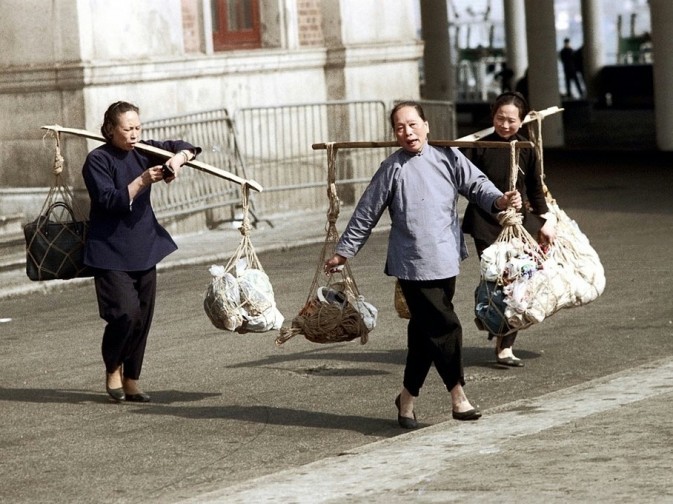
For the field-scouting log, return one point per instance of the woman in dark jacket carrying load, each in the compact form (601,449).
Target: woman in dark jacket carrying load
(507,113)
(125,241)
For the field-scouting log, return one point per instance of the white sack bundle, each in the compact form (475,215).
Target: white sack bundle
(222,300)
(573,249)
(241,303)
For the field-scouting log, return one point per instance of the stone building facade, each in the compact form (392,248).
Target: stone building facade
(64,61)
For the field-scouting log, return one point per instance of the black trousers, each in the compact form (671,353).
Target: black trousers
(434,334)
(507,341)
(126,303)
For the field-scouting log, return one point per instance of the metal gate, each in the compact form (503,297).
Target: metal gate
(276,143)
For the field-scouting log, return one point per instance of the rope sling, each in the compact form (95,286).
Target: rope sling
(512,260)
(340,318)
(240,297)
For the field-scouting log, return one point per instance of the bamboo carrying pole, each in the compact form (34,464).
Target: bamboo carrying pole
(462,142)
(532,116)
(212,170)
(438,143)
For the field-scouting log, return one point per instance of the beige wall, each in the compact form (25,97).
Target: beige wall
(65,61)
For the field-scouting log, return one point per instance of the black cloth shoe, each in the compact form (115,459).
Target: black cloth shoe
(117,394)
(405,422)
(509,361)
(139,397)
(473,414)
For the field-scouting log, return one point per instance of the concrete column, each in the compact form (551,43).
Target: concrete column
(593,53)
(543,78)
(661,14)
(438,66)
(515,37)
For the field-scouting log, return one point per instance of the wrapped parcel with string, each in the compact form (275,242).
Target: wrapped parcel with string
(241,300)
(240,296)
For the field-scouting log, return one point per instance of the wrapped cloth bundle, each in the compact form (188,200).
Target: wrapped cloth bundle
(241,303)
(521,284)
(573,249)
(240,296)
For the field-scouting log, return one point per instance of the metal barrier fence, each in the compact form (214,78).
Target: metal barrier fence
(195,191)
(276,145)
(441,116)
(273,145)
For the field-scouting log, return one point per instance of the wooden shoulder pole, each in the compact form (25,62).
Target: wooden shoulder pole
(482,133)
(212,170)
(438,143)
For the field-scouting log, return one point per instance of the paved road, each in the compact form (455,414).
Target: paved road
(235,418)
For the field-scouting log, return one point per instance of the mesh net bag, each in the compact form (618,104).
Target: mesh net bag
(55,240)
(334,310)
(520,285)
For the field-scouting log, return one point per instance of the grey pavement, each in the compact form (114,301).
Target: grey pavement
(596,442)
(213,246)
(603,440)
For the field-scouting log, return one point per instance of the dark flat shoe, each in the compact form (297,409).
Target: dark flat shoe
(473,414)
(405,422)
(509,361)
(139,397)
(117,394)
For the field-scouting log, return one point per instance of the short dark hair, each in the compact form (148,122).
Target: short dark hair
(511,98)
(111,117)
(408,103)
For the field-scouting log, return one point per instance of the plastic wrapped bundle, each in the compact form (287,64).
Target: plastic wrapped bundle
(241,303)
(489,301)
(222,300)
(505,300)
(240,296)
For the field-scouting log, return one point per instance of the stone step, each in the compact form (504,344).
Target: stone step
(12,251)
(10,224)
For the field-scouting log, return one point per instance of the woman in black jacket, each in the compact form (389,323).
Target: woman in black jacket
(507,113)
(125,241)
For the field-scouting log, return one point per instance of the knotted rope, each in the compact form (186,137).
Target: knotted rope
(322,322)
(59,190)
(511,220)
(58,158)
(535,134)
(245,249)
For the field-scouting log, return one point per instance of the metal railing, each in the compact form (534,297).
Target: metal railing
(276,145)
(273,146)
(195,191)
